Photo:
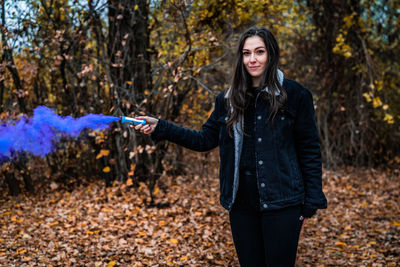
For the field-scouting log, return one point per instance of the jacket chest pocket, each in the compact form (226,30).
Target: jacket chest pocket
(284,123)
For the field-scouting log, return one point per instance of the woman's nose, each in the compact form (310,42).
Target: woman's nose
(252,57)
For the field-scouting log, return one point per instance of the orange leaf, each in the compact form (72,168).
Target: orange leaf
(173,241)
(21,251)
(397,224)
(133,167)
(129,182)
(103,152)
(341,244)
(106,169)
(156,190)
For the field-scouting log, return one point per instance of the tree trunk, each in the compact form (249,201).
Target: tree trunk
(128,42)
(12,184)
(1,88)
(7,57)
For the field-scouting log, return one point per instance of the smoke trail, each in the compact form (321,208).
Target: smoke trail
(37,134)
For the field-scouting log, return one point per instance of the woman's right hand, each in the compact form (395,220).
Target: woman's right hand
(147,128)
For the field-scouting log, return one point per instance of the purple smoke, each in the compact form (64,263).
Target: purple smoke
(37,134)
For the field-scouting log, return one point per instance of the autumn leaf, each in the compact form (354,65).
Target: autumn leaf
(388,118)
(132,171)
(156,190)
(397,224)
(341,244)
(376,102)
(173,241)
(129,182)
(103,153)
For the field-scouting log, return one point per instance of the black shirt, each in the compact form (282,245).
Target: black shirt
(247,196)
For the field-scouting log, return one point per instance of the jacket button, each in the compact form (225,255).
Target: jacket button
(226,118)
(247,173)
(262,185)
(260,162)
(265,206)
(259,117)
(259,139)
(282,118)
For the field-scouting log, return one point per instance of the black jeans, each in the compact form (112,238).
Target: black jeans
(266,238)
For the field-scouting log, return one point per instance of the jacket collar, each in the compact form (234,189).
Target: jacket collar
(280,79)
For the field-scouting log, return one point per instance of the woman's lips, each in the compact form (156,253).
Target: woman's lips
(253,67)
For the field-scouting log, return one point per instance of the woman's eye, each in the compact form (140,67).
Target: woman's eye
(260,52)
(245,53)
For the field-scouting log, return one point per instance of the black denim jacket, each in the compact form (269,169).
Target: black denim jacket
(288,156)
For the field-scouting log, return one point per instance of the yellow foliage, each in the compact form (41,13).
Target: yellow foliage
(368,96)
(341,47)
(348,21)
(52,98)
(388,118)
(376,102)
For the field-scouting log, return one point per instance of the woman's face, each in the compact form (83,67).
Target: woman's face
(255,57)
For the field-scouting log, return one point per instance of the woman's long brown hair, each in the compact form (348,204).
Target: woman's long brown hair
(241,85)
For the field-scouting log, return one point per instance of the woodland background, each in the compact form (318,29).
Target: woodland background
(116,198)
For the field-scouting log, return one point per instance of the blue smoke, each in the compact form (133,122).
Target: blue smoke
(37,134)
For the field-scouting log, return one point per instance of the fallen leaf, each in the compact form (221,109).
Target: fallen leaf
(173,241)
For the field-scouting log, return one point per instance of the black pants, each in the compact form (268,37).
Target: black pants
(266,238)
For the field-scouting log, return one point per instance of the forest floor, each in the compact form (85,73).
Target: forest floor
(92,225)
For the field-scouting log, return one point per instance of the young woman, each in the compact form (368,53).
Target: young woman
(270,169)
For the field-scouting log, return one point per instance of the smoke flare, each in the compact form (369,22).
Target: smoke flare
(37,134)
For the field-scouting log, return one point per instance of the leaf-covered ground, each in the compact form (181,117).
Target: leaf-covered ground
(94,226)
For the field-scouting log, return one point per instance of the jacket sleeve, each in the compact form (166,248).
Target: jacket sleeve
(309,152)
(203,140)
